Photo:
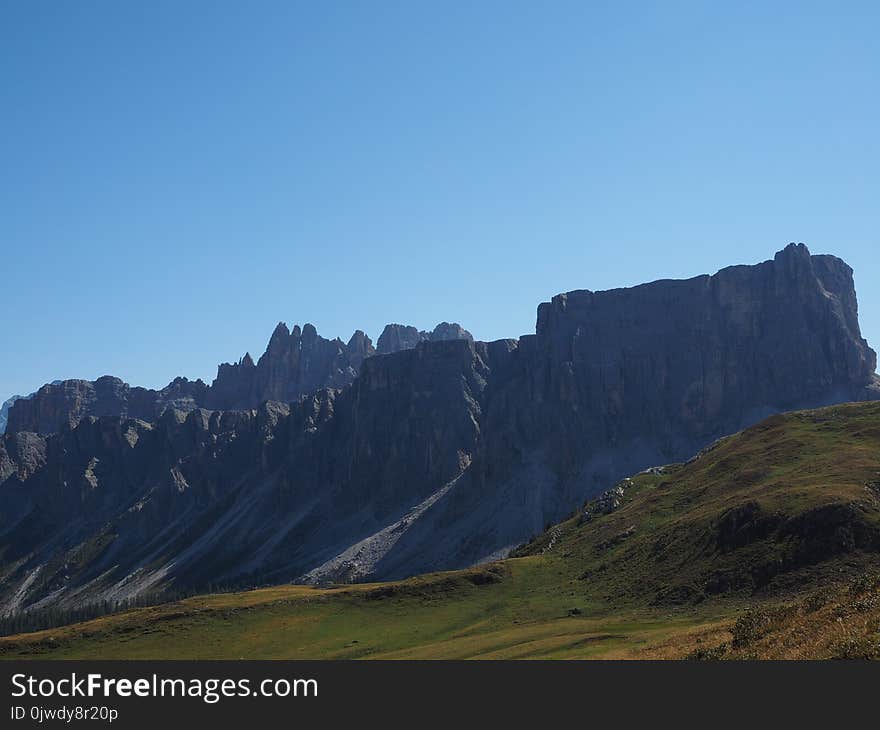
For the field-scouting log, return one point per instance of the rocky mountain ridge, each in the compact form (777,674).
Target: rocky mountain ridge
(442,455)
(297,363)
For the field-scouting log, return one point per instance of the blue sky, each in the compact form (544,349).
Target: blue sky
(176,177)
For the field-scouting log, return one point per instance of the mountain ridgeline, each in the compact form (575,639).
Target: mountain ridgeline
(328,461)
(296,363)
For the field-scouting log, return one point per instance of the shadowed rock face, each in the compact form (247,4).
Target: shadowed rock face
(65,402)
(614,382)
(435,456)
(118,507)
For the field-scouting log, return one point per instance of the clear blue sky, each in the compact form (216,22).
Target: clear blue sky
(176,177)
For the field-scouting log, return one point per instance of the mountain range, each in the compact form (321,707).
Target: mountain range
(296,363)
(330,462)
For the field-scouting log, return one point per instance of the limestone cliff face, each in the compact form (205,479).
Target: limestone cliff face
(700,357)
(616,381)
(433,456)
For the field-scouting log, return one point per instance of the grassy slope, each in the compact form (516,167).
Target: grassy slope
(762,520)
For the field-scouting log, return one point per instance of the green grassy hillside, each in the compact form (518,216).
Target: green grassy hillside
(773,533)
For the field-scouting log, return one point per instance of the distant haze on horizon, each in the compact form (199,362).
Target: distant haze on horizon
(177,178)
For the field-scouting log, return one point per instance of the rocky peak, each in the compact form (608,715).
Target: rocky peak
(397,337)
(793,252)
(279,337)
(450,331)
(359,346)
(309,335)
(297,362)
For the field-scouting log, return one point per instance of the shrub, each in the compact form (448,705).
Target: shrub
(713,653)
(756,623)
(864,583)
(857,647)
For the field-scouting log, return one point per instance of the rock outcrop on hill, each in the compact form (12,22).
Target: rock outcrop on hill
(436,455)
